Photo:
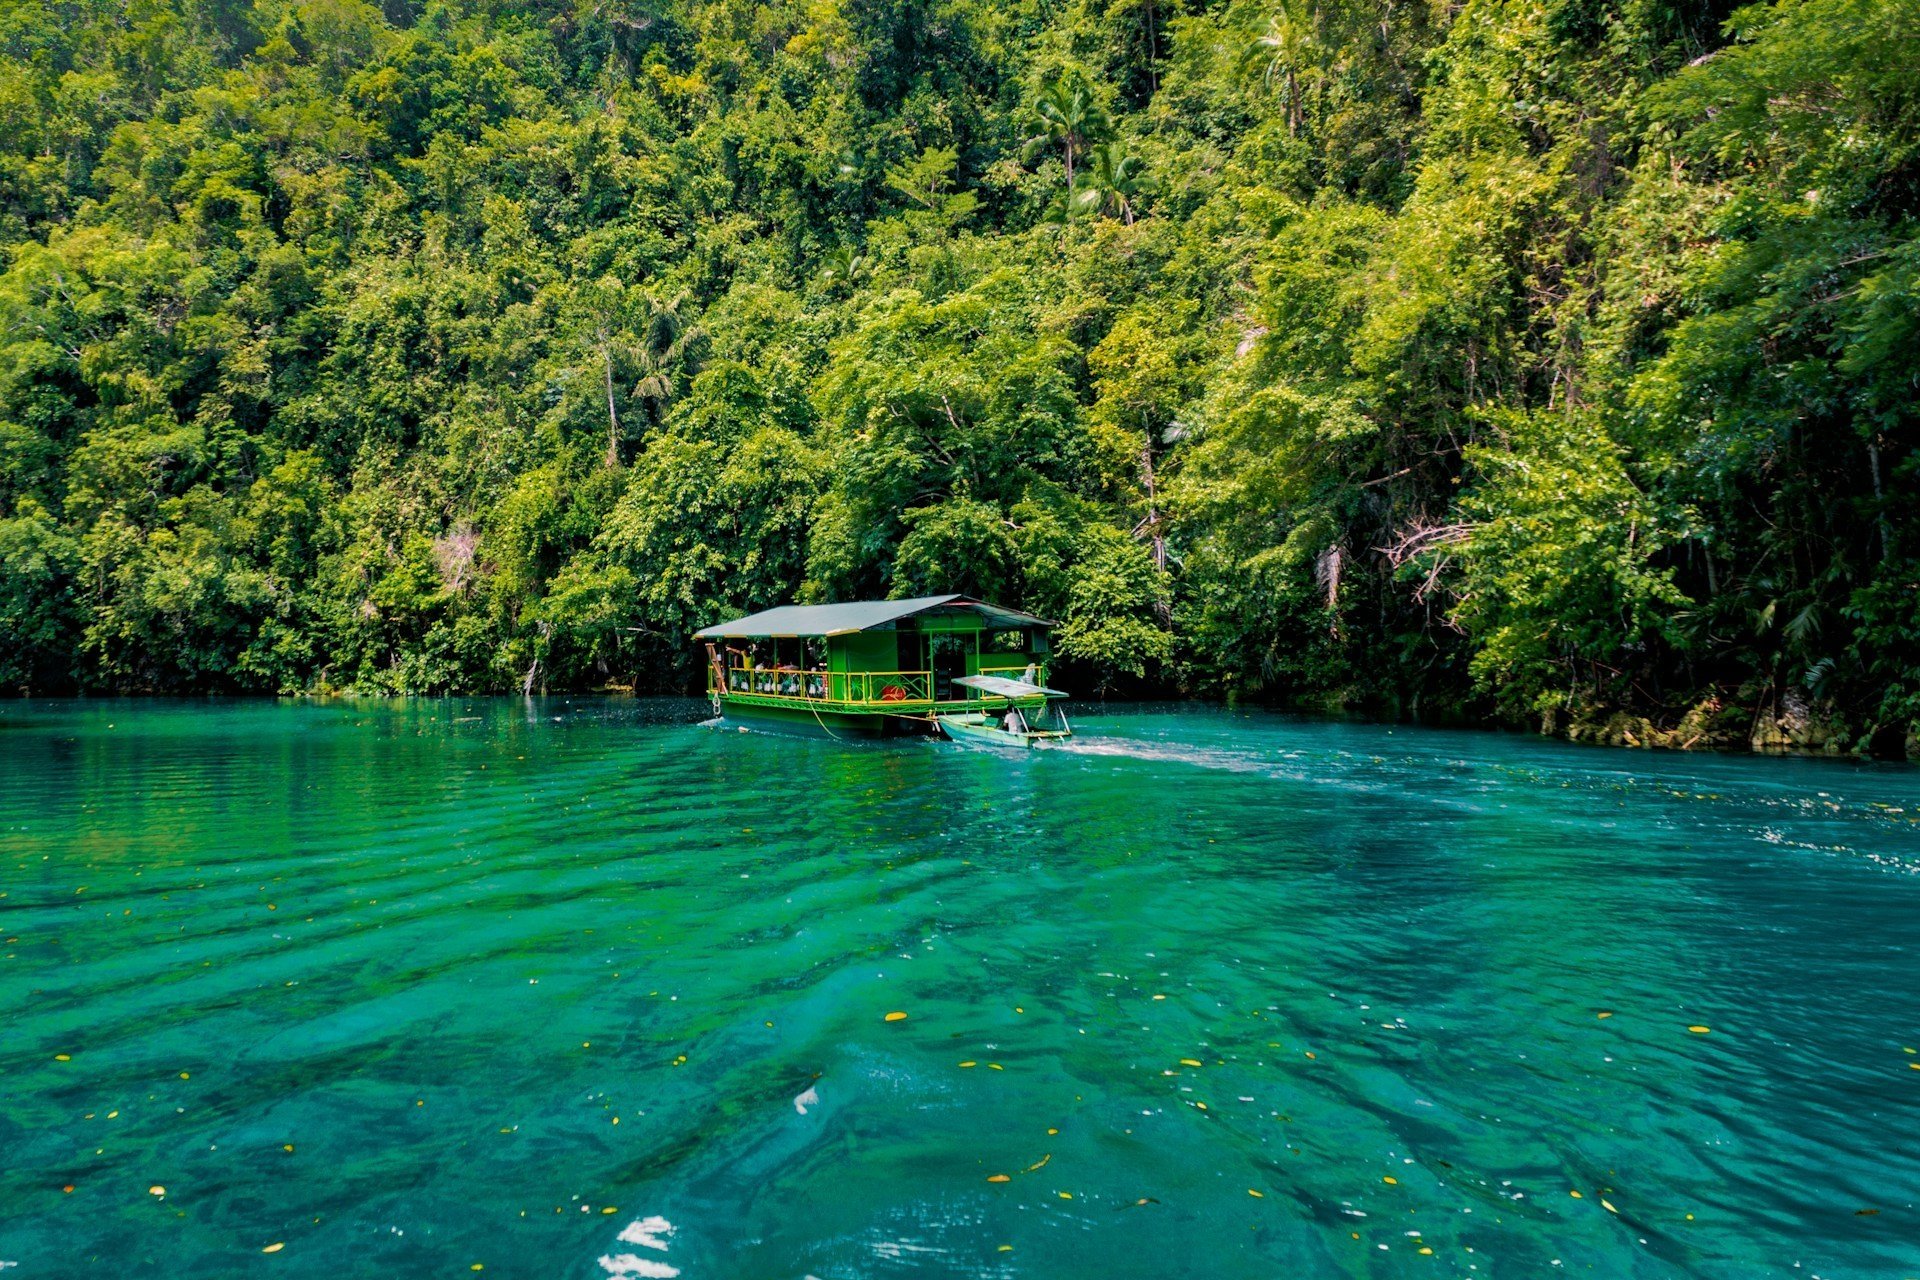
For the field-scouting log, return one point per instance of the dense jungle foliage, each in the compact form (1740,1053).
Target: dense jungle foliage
(1541,359)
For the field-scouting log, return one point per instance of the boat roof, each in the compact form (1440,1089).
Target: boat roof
(1006,688)
(858,615)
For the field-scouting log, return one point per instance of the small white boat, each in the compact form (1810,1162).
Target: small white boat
(1013,725)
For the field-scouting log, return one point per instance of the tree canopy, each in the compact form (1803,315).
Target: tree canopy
(1548,360)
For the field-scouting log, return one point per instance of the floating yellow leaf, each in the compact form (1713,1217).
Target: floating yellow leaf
(1425,1250)
(1257,1195)
(1065,1195)
(1191,1062)
(1006,1248)
(1390,1180)
(156,1190)
(1576,1195)
(1604,1013)
(999,1177)
(1608,1207)
(1201,1105)
(1041,1163)
(1052,1132)
(611,1209)
(183,1075)
(63,1057)
(275,1247)
(896,1017)
(1159,997)
(1310,1054)
(1700,1031)
(994,1066)
(969,1063)
(288,1146)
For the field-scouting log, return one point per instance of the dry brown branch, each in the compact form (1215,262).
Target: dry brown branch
(1421,537)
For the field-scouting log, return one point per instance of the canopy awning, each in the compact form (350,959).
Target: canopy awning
(857,615)
(1002,687)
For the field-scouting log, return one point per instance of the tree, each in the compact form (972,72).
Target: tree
(1068,117)
(1289,46)
(1114,178)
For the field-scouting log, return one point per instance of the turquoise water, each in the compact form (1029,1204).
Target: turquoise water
(413,988)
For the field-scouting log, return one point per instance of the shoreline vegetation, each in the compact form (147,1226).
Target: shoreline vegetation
(1550,364)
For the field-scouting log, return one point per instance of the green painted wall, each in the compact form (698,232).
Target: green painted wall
(863,651)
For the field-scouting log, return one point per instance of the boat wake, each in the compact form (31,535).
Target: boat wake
(1173,753)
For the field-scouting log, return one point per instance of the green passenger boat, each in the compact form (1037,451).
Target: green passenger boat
(877,668)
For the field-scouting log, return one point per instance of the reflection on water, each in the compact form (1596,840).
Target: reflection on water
(578,989)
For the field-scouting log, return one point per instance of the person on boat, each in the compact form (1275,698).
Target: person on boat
(1012,723)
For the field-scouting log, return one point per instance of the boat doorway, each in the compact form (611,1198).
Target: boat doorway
(947,658)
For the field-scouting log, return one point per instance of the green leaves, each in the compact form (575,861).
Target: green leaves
(1343,352)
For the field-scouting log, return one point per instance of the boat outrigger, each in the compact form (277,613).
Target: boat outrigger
(949,664)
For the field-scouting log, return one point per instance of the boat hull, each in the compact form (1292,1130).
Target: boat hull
(980,731)
(814,722)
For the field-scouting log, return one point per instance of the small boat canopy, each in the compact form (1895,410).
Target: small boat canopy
(858,615)
(1005,688)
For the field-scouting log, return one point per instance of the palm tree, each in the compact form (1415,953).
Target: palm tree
(1114,178)
(1287,46)
(665,348)
(1069,118)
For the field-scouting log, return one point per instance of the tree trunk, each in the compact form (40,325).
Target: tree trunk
(1153,51)
(1880,500)
(613,417)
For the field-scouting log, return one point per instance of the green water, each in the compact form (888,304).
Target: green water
(438,948)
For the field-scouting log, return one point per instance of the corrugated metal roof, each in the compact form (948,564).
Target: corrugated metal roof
(854,615)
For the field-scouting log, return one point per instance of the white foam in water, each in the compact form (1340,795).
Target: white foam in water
(811,1098)
(626,1266)
(647,1232)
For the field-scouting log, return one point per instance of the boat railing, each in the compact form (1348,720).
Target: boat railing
(854,688)
(882,687)
(799,684)
(1019,672)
